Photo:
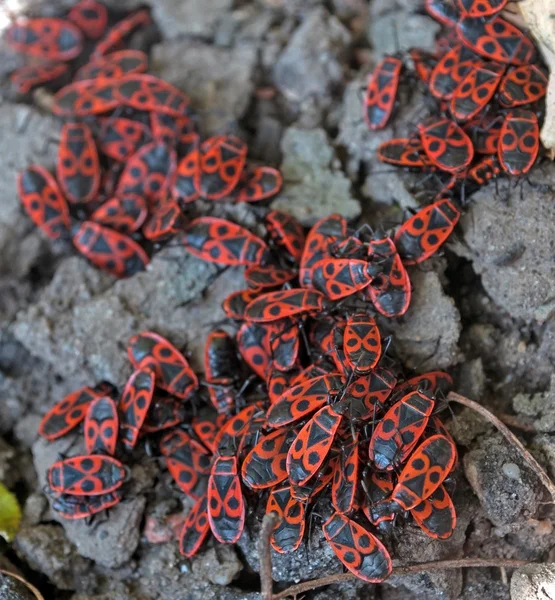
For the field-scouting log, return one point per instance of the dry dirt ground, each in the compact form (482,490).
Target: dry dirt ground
(482,310)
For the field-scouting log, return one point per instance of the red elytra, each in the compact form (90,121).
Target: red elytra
(66,414)
(28,77)
(84,98)
(43,201)
(114,65)
(446,144)
(172,371)
(120,138)
(362,553)
(278,382)
(236,303)
(109,250)
(522,85)
(496,39)
(226,505)
(480,8)
(420,237)
(340,277)
(381,92)
(256,184)
(80,507)
(366,395)
(399,430)
(183,187)
(77,167)
(88,475)
(125,214)
(116,35)
(362,343)
(287,303)
(404,152)
(475,91)
(286,232)
(519,142)
(289,529)
(264,465)
(345,478)
(164,223)
(45,38)
(207,429)
(195,528)
(436,515)
(424,472)
(450,70)
(134,404)
(101,426)
(91,17)
(223,242)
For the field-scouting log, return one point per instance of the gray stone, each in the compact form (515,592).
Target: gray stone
(428,334)
(516,268)
(314,185)
(533,582)
(217,80)
(468,425)
(193,17)
(543,448)
(504,498)
(312,63)
(478,584)
(472,379)
(219,565)
(541,407)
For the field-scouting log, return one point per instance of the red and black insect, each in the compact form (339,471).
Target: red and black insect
(340,277)
(236,303)
(497,40)
(195,528)
(66,414)
(134,404)
(522,85)
(366,395)
(77,168)
(362,343)
(120,138)
(519,142)
(286,232)
(125,214)
(256,184)
(80,507)
(450,70)
(260,277)
(278,382)
(345,477)
(446,144)
(84,98)
(43,201)
(164,223)
(88,475)
(207,429)
(286,303)
(45,38)
(172,371)
(400,429)
(168,129)
(28,77)
(226,505)
(289,530)
(436,515)
(419,237)
(117,34)
(101,426)
(480,8)
(362,553)
(91,17)
(253,343)
(475,91)
(109,250)
(187,461)
(424,472)
(223,242)
(114,65)
(404,152)
(284,344)
(381,92)
(184,188)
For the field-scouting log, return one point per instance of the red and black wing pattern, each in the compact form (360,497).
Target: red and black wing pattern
(91,17)
(436,515)
(45,38)
(134,404)
(289,530)
(195,528)
(381,92)
(519,142)
(125,214)
(88,475)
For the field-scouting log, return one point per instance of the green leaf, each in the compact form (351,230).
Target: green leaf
(10,514)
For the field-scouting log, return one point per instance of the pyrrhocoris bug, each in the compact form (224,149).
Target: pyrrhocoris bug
(253,342)
(345,478)
(223,242)
(362,553)
(278,382)
(286,232)
(420,236)
(207,429)
(42,200)
(195,528)
(101,426)
(91,17)
(114,65)
(362,343)
(170,367)
(340,277)
(522,85)
(46,38)
(260,277)
(367,395)
(80,507)
(120,138)
(400,429)
(286,303)
(476,90)
(404,152)
(125,214)
(320,481)
(284,344)
(424,472)
(88,475)
(226,505)
(232,431)
(27,77)
(236,303)
(109,250)
(164,223)
(381,92)
(519,142)
(184,188)
(480,8)
(288,532)
(446,144)
(84,98)
(120,31)
(436,515)
(450,70)
(134,404)
(78,169)
(256,184)
(496,39)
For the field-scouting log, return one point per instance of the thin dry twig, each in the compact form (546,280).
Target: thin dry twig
(461,563)
(509,436)
(265,552)
(516,422)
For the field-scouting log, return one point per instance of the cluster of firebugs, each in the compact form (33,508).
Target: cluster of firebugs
(307,402)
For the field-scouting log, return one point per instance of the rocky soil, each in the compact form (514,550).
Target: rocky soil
(287,76)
